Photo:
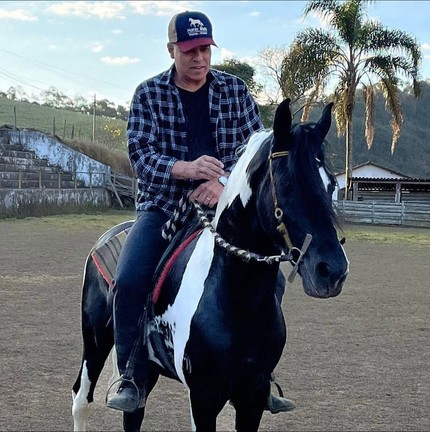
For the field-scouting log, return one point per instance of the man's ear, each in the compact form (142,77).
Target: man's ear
(171,49)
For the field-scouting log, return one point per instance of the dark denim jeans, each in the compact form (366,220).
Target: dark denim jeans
(139,257)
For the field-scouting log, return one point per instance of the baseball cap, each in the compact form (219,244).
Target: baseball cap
(189,30)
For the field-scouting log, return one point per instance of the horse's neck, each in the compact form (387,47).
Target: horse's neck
(240,227)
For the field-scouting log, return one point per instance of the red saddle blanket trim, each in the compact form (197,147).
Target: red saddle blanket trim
(105,257)
(169,264)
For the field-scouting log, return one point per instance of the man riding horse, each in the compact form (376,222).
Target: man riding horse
(184,128)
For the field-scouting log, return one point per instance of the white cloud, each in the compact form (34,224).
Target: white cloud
(425,47)
(226,54)
(17,15)
(119,61)
(116,31)
(255,14)
(161,8)
(97,47)
(102,10)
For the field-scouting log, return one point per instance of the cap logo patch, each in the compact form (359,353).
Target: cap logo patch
(196,28)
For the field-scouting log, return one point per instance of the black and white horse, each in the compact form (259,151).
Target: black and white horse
(217,325)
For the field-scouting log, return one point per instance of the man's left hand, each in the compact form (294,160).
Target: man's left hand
(207,193)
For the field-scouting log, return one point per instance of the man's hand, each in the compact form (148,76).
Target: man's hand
(203,168)
(207,193)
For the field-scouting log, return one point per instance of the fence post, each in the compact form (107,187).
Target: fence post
(19,179)
(59,178)
(40,178)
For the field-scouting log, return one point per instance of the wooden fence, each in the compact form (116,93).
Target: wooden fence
(383,213)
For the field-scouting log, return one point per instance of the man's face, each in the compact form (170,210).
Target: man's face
(192,65)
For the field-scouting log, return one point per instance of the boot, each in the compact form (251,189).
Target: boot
(129,397)
(277,404)
(132,359)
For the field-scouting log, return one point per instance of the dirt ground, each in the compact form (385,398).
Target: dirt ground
(359,362)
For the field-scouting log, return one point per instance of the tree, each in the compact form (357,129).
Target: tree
(242,70)
(354,52)
(270,61)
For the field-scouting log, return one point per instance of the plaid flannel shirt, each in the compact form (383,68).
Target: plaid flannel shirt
(157,134)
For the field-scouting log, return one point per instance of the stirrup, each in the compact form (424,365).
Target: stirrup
(125,380)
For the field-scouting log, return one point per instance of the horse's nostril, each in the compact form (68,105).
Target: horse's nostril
(323,269)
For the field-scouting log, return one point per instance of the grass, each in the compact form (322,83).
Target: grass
(387,234)
(103,220)
(100,220)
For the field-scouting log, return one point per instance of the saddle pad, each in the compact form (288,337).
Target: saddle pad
(105,256)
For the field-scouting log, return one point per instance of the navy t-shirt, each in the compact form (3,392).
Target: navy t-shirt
(196,111)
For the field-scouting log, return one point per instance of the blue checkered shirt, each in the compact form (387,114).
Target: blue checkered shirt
(157,135)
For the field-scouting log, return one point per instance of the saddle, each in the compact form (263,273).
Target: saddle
(105,256)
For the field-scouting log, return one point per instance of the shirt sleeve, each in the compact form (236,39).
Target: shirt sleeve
(144,146)
(250,119)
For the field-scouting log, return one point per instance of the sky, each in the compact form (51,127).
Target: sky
(106,48)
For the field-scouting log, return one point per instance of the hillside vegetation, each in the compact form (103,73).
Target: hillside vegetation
(411,156)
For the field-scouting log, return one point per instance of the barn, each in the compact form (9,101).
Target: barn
(372,182)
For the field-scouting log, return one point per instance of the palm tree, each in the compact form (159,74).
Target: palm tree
(354,52)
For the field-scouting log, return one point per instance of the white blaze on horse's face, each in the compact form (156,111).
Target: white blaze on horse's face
(238,184)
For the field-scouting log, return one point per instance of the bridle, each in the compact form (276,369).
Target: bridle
(282,228)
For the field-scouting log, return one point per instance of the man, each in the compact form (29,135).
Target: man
(184,127)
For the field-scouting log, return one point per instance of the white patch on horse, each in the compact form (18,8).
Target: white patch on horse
(325,178)
(80,407)
(238,182)
(178,316)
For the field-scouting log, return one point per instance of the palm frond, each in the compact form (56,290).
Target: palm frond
(392,104)
(369,103)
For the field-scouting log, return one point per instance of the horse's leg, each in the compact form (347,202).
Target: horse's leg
(133,421)
(248,415)
(98,342)
(249,406)
(205,407)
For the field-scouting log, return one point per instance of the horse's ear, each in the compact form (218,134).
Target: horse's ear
(282,124)
(323,125)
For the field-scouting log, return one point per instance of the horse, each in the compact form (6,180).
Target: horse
(216,323)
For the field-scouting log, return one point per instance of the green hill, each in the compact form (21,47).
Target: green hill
(68,125)
(412,153)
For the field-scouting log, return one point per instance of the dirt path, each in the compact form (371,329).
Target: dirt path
(359,362)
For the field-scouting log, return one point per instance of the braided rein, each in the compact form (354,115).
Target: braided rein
(243,254)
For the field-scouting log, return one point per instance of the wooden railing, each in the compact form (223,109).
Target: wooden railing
(383,213)
(122,186)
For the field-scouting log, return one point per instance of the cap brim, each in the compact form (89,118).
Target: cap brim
(191,44)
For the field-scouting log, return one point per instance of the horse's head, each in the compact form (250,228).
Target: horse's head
(297,191)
